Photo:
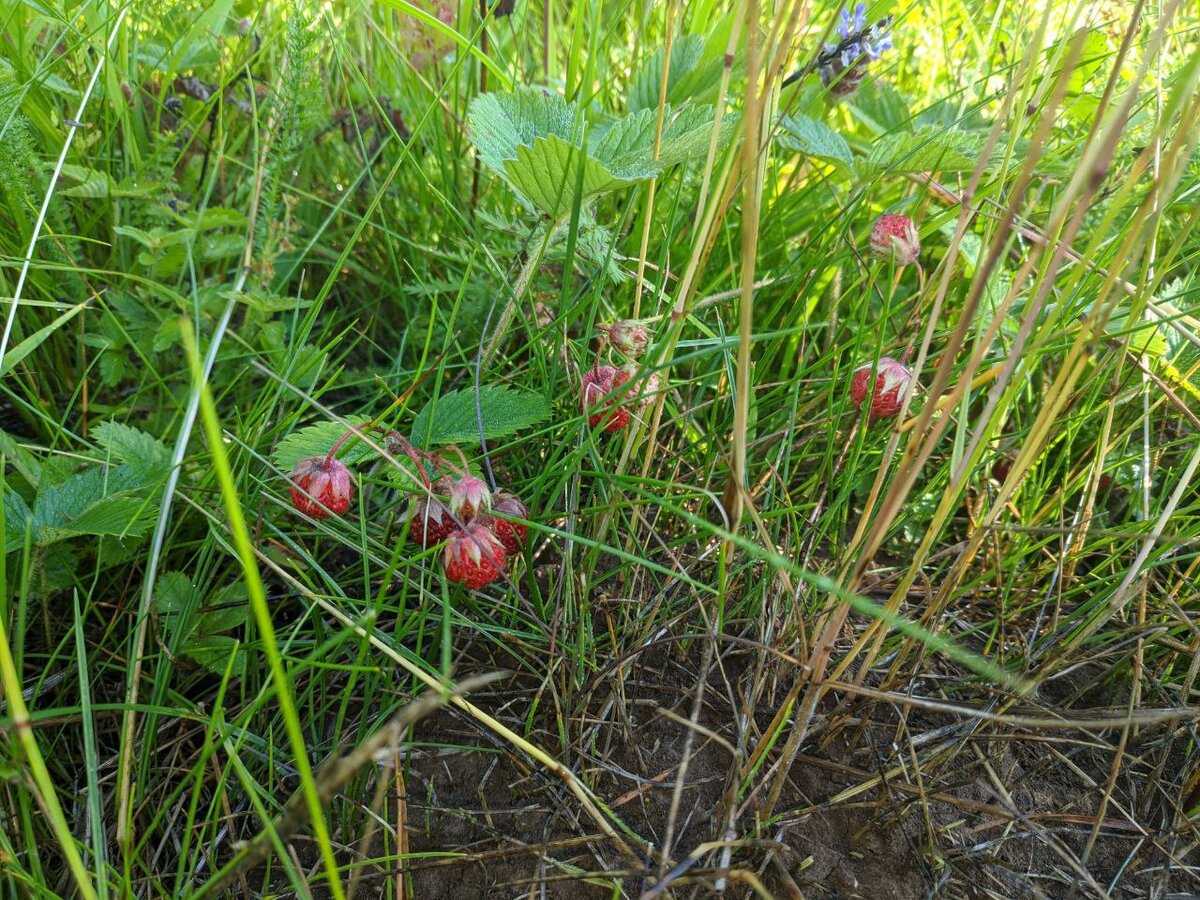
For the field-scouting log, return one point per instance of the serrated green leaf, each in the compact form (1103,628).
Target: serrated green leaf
(212,651)
(318,440)
(225,610)
(93,184)
(813,138)
(451,419)
(547,172)
(26,464)
(535,141)
(130,445)
(120,515)
(16,516)
(881,107)
(691,74)
(499,123)
(927,150)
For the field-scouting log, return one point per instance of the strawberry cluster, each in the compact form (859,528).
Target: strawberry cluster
(481,530)
(610,395)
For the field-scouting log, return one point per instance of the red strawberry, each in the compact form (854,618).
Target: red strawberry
(473,557)
(511,534)
(889,387)
(598,384)
(469,495)
(895,237)
(431,518)
(321,487)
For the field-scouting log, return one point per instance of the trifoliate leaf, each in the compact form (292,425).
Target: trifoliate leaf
(452,419)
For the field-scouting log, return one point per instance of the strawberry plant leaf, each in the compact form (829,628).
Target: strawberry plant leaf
(132,446)
(318,440)
(929,149)
(816,139)
(537,142)
(546,173)
(696,64)
(451,418)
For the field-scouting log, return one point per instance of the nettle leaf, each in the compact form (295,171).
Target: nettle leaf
(318,440)
(813,138)
(451,418)
(132,446)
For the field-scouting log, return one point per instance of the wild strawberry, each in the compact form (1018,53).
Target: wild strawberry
(430,517)
(889,387)
(474,557)
(321,487)
(895,237)
(511,534)
(628,336)
(468,496)
(597,385)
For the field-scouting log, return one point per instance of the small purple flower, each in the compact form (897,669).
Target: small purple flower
(852,24)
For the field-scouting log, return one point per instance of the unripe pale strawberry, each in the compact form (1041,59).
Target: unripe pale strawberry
(895,237)
(321,487)
(629,337)
(431,518)
(474,556)
(469,496)
(890,386)
(511,534)
(598,383)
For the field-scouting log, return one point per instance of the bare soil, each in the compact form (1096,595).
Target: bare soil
(882,802)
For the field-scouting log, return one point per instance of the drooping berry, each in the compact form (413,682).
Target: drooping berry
(511,534)
(895,238)
(321,487)
(629,336)
(890,386)
(431,518)
(598,383)
(469,496)
(474,556)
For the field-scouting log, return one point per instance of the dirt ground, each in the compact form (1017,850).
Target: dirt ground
(880,802)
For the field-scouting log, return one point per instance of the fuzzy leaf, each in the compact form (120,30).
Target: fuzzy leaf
(317,440)
(693,74)
(16,515)
(930,149)
(547,172)
(536,142)
(130,445)
(813,138)
(451,418)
